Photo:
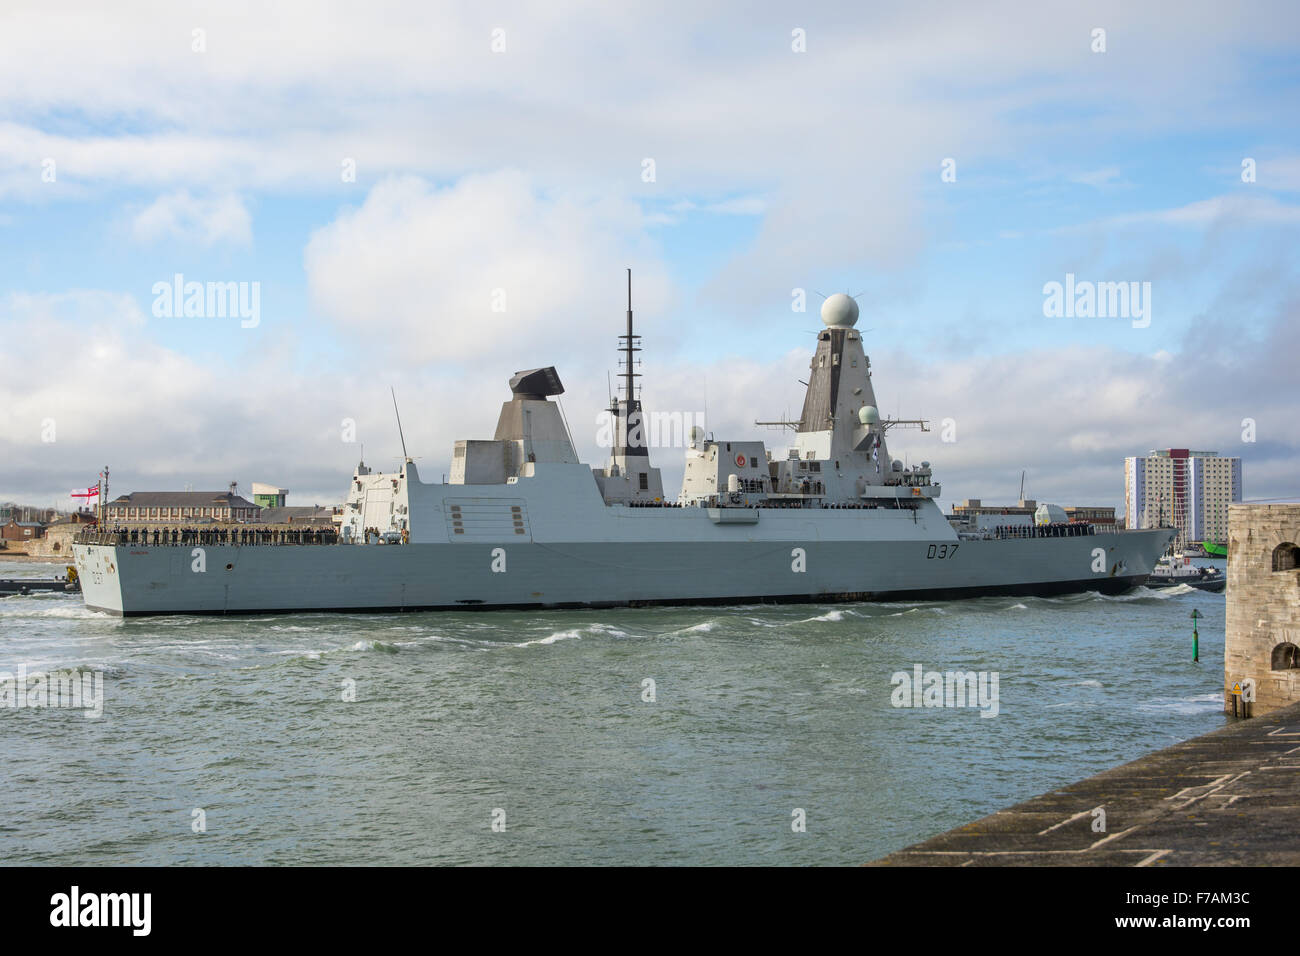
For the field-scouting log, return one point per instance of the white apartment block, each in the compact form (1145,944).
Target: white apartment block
(1188,490)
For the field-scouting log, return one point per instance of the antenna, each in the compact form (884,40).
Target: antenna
(629,347)
(1022,486)
(405,457)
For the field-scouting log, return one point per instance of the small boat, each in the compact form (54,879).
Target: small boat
(1175,569)
(32,585)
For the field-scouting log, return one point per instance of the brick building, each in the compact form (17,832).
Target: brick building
(17,530)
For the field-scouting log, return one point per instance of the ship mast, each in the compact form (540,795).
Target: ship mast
(628,477)
(628,374)
(628,409)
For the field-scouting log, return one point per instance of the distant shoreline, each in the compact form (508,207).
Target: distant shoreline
(43,559)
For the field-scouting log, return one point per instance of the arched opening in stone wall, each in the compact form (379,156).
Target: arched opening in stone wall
(1286,557)
(1286,656)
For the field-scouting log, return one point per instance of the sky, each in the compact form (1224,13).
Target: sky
(429,197)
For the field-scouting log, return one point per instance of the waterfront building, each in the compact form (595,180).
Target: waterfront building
(1188,490)
(974,506)
(165,507)
(16,530)
(1092,514)
(269,496)
(305,515)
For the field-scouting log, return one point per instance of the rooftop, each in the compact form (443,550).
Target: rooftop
(176,499)
(294,513)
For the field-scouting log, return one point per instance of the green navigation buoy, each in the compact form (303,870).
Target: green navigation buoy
(1196,638)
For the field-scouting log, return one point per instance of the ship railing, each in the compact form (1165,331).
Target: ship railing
(209,537)
(1054,530)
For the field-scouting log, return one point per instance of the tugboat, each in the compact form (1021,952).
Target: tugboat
(1174,569)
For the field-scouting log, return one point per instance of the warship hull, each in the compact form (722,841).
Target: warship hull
(499,552)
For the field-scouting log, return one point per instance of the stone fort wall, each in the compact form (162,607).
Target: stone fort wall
(1263,604)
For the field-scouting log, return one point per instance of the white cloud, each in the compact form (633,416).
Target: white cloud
(1098,178)
(739,206)
(206,221)
(416,272)
(678,211)
(1256,209)
(160,419)
(1229,208)
(583,92)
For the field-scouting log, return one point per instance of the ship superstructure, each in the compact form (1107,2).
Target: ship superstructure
(522,522)
(840,457)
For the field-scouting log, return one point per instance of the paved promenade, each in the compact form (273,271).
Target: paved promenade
(1230,797)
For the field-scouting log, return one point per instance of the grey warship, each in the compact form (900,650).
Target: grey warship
(522,523)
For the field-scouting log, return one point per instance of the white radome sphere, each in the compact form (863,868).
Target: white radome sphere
(868,414)
(840,311)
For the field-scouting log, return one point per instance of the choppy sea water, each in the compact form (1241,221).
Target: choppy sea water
(538,721)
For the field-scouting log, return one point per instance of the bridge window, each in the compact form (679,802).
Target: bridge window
(1286,557)
(1286,656)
